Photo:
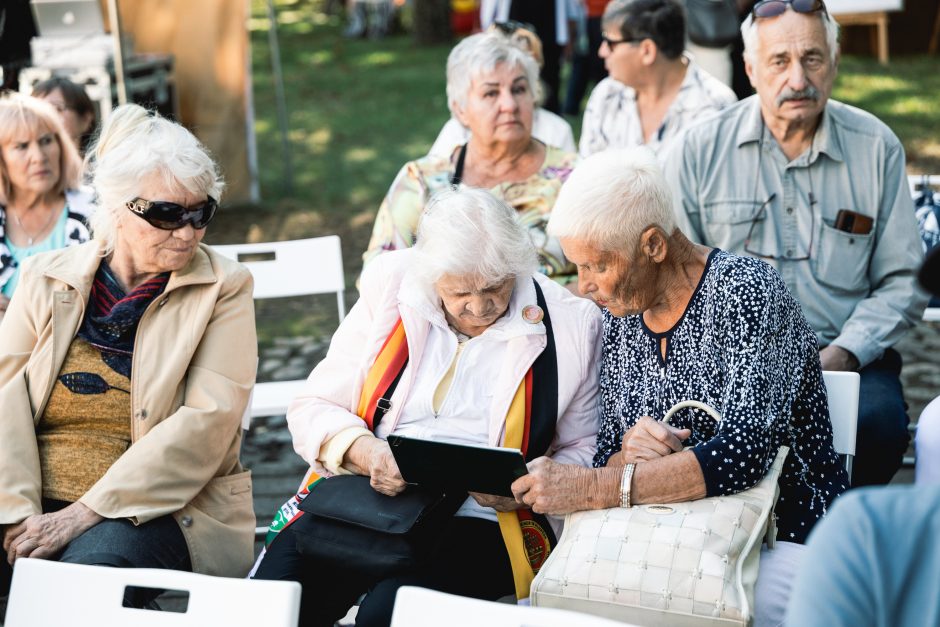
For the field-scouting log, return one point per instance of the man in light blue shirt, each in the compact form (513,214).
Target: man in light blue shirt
(818,189)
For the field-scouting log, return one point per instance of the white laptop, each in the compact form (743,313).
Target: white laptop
(68,18)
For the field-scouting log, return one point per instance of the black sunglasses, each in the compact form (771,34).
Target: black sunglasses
(511,26)
(170,216)
(613,43)
(773,8)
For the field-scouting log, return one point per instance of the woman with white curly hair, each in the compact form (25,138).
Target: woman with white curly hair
(125,370)
(464,324)
(492,89)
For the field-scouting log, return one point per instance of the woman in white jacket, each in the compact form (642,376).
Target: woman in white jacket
(467,326)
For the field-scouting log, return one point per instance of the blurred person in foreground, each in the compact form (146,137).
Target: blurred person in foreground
(125,369)
(42,205)
(873,561)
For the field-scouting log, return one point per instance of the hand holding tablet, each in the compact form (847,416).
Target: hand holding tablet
(464,467)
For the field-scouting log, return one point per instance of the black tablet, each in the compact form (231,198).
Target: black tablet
(457,466)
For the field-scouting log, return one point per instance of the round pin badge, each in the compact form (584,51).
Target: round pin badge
(532,314)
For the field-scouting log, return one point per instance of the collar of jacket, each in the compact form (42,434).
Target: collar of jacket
(78,266)
(425,301)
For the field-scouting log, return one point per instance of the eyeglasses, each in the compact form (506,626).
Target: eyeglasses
(790,254)
(170,216)
(773,8)
(613,43)
(511,26)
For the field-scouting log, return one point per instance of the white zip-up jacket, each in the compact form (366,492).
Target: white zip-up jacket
(388,291)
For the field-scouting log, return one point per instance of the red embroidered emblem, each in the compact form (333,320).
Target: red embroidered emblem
(536,543)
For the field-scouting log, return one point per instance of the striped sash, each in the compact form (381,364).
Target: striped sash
(530,427)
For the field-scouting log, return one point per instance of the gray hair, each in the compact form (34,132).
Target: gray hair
(611,198)
(470,232)
(134,145)
(749,35)
(482,53)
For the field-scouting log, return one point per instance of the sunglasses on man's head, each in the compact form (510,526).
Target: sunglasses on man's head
(511,26)
(773,8)
(170,216)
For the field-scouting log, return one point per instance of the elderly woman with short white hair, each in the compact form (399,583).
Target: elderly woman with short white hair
(125,369)
(687,322)
(480,327)
(492,89)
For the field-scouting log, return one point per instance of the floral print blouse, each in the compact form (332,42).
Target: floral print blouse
(396,223)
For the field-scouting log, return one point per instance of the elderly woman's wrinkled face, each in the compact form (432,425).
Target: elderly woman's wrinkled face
(499,106)
(609,279)
(471,304)
(32,160)
(153,250)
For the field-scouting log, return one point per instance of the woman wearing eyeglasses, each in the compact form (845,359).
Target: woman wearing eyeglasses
(654,90)
(492,88)
(42,206)
(126,367)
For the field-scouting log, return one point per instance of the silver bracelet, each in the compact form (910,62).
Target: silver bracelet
(626,485)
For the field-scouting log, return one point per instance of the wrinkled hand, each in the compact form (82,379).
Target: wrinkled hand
(649,439)
(553,488)
(837,358)
(44,535)
(383,470)
(499,503)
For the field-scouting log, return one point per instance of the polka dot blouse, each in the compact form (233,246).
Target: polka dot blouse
(743,347)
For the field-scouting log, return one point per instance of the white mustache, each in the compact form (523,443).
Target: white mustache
(810,93)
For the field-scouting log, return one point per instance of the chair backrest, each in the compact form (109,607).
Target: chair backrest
(420,607)
(46,592)
(842,390)
(298,267)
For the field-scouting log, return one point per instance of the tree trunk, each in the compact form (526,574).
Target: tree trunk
(432,21)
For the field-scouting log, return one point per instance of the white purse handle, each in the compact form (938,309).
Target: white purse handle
(695,404)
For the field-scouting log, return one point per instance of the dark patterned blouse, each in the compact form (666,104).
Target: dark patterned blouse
(743,347)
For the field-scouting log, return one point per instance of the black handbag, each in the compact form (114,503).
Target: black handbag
(712,23)
(347,525)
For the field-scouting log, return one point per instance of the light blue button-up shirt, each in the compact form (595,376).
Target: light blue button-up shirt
(736,190)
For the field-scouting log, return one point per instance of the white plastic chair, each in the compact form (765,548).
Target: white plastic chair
(420,607)
(842,390)
(46,592)
(300,267)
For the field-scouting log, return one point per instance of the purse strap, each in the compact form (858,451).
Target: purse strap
(693,404)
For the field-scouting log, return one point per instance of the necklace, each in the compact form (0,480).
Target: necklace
(31,238)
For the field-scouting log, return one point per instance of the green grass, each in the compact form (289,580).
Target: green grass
(905,95)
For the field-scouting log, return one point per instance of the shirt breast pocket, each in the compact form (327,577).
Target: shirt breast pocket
(841,260)
(728,222)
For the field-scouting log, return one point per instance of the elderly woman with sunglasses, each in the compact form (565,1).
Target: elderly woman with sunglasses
(684,321)
(125,370)
(492,88)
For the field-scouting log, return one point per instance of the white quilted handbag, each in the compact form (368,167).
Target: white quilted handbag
(690,564)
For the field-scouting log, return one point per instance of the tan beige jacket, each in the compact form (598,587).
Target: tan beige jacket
(194,363)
